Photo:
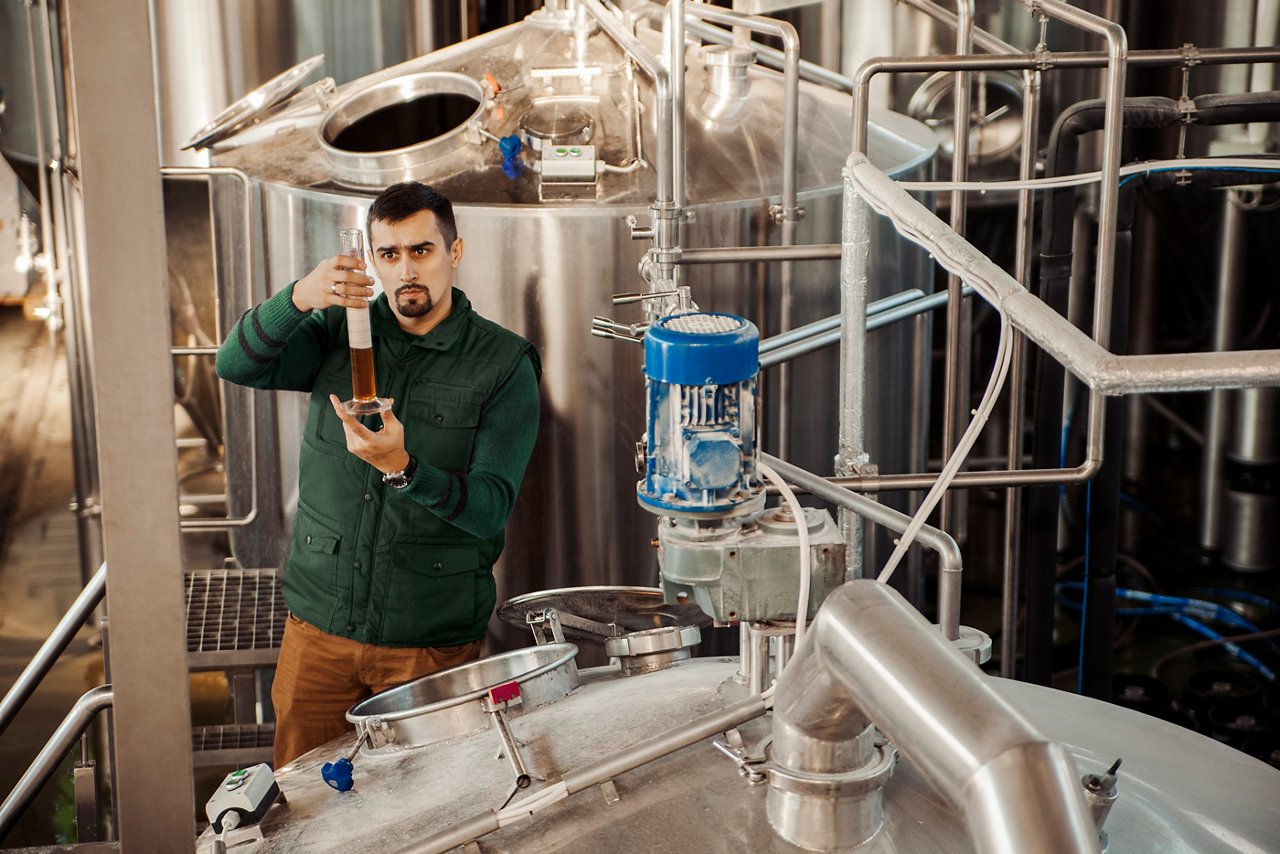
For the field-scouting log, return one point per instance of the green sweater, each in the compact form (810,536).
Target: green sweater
(398,567)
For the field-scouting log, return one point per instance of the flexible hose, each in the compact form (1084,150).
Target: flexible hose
(802,527)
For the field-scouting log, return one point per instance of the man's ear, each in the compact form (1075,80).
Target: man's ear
(456,251)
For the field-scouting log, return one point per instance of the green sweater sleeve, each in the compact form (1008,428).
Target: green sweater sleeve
(480,500)
(274,345)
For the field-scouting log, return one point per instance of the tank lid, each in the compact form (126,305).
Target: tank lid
(256,104)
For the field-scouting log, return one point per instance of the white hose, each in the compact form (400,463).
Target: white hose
(980,416)
(1260,163)
(802,606)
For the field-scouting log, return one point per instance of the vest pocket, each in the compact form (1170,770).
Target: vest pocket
(431,596)
(311,579)
(443,428)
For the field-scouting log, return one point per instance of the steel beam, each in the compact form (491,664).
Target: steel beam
(121,207)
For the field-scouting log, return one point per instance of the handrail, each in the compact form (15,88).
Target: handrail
(187,173)
(50,756)
(35,671)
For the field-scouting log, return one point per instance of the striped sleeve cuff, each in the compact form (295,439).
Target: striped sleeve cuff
(264,329)
(442,492)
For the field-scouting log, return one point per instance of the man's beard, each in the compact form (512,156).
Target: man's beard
(421,306)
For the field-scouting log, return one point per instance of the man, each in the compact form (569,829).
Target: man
(389,575)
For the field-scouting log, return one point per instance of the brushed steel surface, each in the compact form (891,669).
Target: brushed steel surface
(448,703)
(1180,793)
(544,270)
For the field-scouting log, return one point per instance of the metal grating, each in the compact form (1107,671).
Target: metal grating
(235,617)
(232,744)
(702,324)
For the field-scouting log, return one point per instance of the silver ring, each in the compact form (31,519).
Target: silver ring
(333,289)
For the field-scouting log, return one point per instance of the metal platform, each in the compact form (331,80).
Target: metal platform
(232,744)
(235,618)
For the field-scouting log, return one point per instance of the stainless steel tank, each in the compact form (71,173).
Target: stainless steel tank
(1179,792)
(543,259)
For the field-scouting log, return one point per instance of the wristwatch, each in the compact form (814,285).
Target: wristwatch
(401,479)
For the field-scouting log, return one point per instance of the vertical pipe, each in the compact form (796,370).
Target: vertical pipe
(956,374)
(854,275)
(1022,264)
(1230,283)
(675,55)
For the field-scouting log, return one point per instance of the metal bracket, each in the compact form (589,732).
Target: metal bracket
(751,765)
(539,622)
(779,214)
(638,231)
(376,733)
(610,792)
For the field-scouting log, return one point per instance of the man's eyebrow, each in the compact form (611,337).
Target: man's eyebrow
(423,245)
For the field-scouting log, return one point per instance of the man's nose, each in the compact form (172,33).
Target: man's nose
(407,271)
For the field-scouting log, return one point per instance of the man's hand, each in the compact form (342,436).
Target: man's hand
(384,450)
(335,281)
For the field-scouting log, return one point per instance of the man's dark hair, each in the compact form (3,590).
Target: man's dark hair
(401,201)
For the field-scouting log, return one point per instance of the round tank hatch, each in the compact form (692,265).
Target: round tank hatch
(556,123)
(391,127)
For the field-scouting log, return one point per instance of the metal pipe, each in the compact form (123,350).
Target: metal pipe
(1016,790)
(833,322)
(772,57)
(50,756)
(827,334)
(246,223)
(1023,256)
(789,213)
(1099,369)
(42,158)
(736,254)
(57,642)
(956,364)
(1230,282)
(597,772)
(950,562)
(1113,132)
(651,66)
(981,38)
(675,68)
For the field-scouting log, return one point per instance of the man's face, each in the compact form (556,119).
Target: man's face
(415,267)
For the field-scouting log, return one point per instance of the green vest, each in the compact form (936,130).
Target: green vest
(367,561)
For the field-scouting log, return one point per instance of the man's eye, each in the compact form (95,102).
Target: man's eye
(422,251)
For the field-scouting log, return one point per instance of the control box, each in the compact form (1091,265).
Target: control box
(246,793)
(569,164)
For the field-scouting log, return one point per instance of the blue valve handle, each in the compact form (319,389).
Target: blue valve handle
(338,774)
(510,148)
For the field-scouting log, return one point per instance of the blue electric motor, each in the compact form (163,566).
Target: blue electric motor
(700,448)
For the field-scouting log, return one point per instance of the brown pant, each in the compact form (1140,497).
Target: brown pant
(320,676)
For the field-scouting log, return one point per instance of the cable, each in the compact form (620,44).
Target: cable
(802,606)
(1208,644)
(980,415)
(1259,164)
(1247,657)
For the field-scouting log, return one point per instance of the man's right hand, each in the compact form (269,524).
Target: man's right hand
(335,281)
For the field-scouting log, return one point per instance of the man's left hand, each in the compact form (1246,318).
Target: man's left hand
(384,450)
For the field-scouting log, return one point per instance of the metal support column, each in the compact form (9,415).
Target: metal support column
(122,211)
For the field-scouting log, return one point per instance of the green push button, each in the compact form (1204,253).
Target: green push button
(575,151)
(561,152)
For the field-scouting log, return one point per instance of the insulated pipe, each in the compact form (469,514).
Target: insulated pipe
(51,755)
(880,661)
(1095,366)
(57,642)
(950,563)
